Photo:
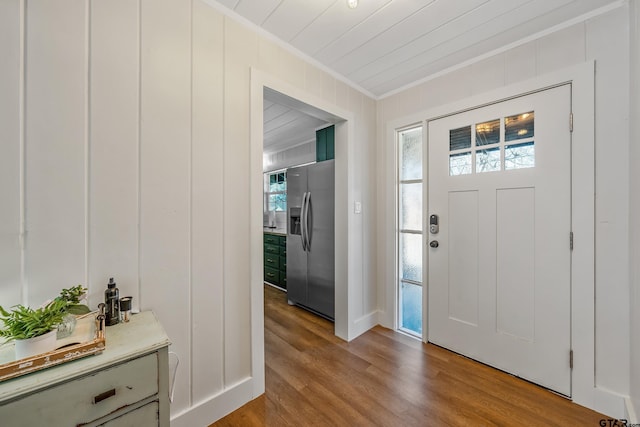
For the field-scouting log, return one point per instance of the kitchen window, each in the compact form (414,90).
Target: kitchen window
(275,191)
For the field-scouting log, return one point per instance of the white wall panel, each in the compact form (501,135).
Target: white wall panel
(488,74)
(268,56)
(370,213)
(56,79)
(607,42)
(328,88)
(10,148)
(520,63)
(561,49)
(313,80)
(165,175)
(240,53)
(634,184)
(291,68)
(137,156)
(113,164)
(207,225)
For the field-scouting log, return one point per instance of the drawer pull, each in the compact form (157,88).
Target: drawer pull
(102,396)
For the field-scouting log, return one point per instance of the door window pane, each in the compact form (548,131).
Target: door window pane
(460,164)
(411,307)
(411,256)
(520,156)
(518,127)
(460,138)
(411,154)
(488,160)
(411,206)
(488,132)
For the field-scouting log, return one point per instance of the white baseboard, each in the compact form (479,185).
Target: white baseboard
(363,324)
(630,414)
(608,403)
(208,411)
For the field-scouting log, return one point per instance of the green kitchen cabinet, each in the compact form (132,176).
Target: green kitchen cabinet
(275,259)
(325,144)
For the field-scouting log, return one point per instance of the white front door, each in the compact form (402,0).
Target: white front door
(499,279)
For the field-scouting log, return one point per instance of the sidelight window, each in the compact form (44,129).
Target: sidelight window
(409,236)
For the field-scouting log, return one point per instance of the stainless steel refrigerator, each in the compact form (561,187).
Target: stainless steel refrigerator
(310,238)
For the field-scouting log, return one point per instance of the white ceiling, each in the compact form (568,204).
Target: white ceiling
(384,45)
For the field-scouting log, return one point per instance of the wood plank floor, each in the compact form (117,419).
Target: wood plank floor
(384,378)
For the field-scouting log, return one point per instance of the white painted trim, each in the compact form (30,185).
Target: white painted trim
(346,327)
(364,323)
(582,78)
(630,412)
(215,407)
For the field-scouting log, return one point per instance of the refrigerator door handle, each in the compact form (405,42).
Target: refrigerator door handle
(303,221)
(309,221)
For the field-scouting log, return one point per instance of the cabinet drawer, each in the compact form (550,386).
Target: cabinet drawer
(271,239)
(283,279)
(271,275)
(88,398)
(146,415)
(271,249)
(271,260)
(283,241)
(283,263)
(283,250)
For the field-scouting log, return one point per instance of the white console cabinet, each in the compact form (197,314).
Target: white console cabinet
(126,385)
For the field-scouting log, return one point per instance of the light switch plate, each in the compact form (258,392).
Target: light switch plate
(357,207)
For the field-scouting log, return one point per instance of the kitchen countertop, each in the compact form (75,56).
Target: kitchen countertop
(280,231)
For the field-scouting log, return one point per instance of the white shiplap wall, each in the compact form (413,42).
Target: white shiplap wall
(10,154)
(634,222)
(605,40)
(125,130)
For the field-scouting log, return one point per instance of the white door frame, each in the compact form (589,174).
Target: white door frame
(582,78)
(346,233)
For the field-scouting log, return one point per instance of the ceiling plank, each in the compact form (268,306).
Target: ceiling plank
(257,11)
(293,16)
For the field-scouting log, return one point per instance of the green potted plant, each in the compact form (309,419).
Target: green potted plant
(73,296)
(34,331)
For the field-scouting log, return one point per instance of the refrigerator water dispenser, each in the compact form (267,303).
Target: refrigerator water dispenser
(294,221)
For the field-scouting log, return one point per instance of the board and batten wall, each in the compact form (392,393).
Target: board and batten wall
(604,39)
(125,153)
(634,214)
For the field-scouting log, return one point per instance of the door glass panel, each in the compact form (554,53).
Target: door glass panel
(460,164)
(411,307)
(519,126)
(488,160)
(460,138)
(488,132)
(411,206)
(409,229)
(411,256)
(520,156)
(411,154)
